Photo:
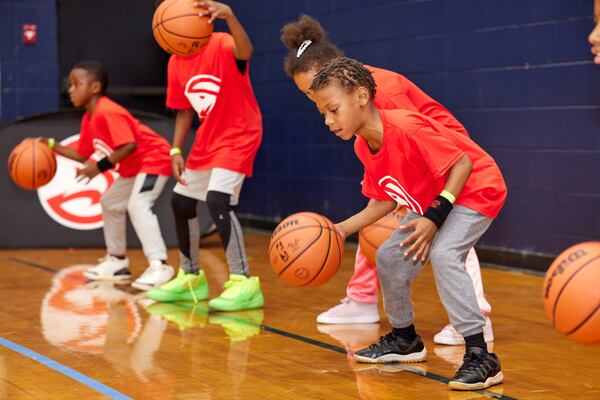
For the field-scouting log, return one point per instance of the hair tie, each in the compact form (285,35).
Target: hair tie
(303,48)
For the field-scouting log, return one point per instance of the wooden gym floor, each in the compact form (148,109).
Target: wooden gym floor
(62,337)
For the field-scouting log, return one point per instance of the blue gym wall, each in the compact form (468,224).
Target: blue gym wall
(29,81)
(517,73)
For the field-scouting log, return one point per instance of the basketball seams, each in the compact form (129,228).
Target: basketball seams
(293,230)
(305,214)
(51,163)
(161,24)
(585,320)
(563,287)
(302,252)
(324,260)
(33,164)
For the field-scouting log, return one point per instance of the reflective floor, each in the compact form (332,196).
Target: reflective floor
(63,337)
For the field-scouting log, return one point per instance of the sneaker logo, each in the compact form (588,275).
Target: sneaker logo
(74,204)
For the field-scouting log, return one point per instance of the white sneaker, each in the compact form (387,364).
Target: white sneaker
(110,268)
(350,312)
(154,276)
(449,336)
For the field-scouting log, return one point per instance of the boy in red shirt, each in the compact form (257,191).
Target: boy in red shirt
(452,188)
(309,51)
(140,156)
(214,84)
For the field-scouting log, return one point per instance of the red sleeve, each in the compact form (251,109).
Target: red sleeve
(372,190)
(176,98)
(431,108)
(118,128)
(437,152)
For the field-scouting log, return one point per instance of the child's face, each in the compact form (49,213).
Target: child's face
(82,87)
(343,110)
(303,80)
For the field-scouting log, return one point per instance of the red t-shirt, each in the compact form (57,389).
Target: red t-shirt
(231,124)
(112,126)
(395,92)
(413,163)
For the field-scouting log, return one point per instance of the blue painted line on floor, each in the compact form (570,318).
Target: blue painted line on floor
(63,369)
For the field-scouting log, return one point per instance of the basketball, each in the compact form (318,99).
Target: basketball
(571,292)
(305,249)
(31,164)
(372,236)
(178,29)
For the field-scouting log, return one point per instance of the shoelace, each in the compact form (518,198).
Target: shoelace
(192,291)
(383,340)
(471,363)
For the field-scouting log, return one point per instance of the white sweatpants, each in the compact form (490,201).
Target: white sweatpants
(136,196)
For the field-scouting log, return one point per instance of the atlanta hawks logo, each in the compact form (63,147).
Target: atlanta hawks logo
(202,92)
(397,192)
(74,204)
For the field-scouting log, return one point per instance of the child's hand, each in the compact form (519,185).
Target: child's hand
(178,166)
(89,171)
(214,10)
(424,231)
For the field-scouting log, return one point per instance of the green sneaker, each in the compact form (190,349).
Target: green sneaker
(241,293)
(240,325)
(185,287)
(194,316)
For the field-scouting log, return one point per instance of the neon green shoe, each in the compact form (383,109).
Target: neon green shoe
(240,325)
(184,316)
(185,287)
(241,293)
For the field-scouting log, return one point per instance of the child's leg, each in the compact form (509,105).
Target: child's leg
(474,271)
(187,230)
(363,287)
(115,265)
(114,205)
(360,305)
(146,190)
(222,195)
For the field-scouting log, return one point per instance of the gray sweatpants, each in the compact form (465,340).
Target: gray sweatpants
(448,254)
(136,196)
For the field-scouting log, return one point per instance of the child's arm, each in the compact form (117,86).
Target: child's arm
(425,227)
(183,123)
(375,210)
(243,46)
(93,169)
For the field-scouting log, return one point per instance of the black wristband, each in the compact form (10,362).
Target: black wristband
(104,164)
(438,210)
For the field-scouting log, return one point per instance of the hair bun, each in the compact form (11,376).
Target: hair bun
(305,28)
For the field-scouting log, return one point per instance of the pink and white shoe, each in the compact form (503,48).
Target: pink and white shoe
(449,336)
(350,312)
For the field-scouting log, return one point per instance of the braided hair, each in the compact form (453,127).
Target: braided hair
(348,73)
(319,51)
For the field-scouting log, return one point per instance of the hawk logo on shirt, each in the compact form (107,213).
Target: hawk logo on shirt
(397,192)
(72,203)
(202,92)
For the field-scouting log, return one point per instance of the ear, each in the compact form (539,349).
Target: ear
(96,87)
(363,96)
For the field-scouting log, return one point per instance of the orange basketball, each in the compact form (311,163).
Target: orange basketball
(572,292)
(31,164)
(178,29)
(305,249)
(372,236)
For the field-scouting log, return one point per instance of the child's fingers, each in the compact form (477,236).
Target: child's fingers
(411,238)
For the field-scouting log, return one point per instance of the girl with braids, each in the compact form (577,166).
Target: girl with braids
(453,190)
(309,51)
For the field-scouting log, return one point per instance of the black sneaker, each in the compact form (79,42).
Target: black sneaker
(392,348)
(479,370)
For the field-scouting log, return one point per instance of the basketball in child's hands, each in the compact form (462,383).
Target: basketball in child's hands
(306,249)
(571,292)
(31,164)
(178,28)
(372,236)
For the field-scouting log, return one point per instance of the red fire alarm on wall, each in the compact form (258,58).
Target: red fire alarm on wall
(29,33)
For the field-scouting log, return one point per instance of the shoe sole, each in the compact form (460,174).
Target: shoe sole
(353,320)
(147,286)
(491,381)
(173,298)
(113,278)
(394,358)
